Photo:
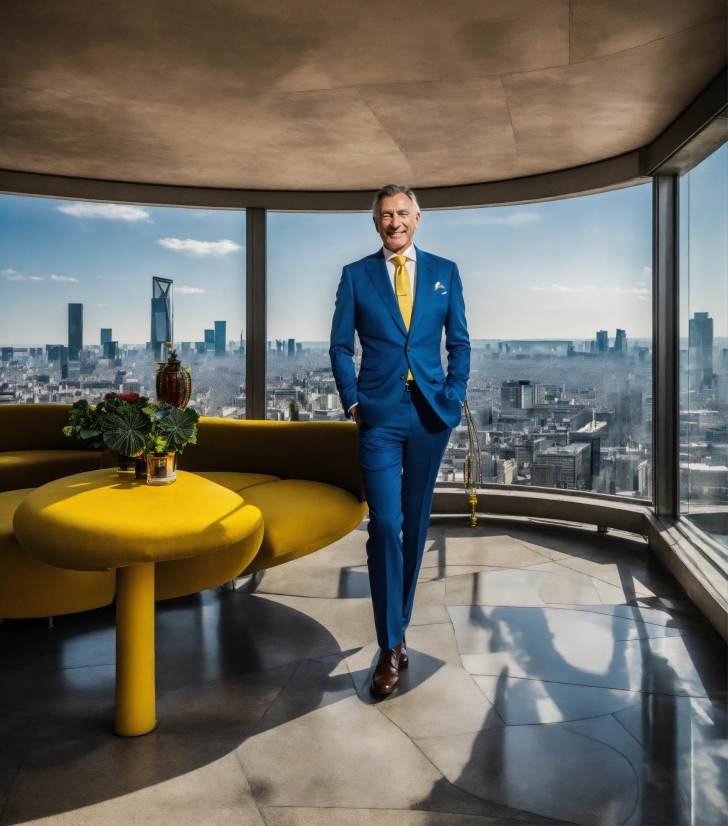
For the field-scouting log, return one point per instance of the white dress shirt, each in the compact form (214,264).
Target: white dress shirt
(411,265)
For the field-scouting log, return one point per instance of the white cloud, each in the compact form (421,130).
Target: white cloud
(512,219)
(199,248)
(554,288)
(55,277)
(36,278)
(641,292)
(646,270)
(112,212)
(8,272)
(13,277)
(189,290)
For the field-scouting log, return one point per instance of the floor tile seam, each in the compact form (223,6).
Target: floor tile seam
(629,762)
(606,687)
(523,544)
(437,769)
(305,596)
(20,769)
(571,719)
(600,579)
(262,717)
(54,670)
(643,748)
(227,677)
(584,610)
(247,782)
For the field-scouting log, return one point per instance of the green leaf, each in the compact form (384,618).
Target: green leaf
(89,433)
(178,427)
(125,430)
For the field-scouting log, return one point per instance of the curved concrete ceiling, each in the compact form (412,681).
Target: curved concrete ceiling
(325,95)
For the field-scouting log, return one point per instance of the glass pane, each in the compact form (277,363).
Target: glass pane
(89,293)
(558,299)
(704,345)
(305,256)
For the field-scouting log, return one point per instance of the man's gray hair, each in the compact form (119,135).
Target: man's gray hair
(393,189)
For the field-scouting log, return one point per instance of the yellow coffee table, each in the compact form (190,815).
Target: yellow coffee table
(100,520)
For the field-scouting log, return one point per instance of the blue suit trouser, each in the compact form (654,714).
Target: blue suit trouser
(399,463)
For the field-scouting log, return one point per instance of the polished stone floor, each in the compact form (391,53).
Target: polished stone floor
(557,675)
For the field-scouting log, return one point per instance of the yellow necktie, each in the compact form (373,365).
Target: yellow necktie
(403,290)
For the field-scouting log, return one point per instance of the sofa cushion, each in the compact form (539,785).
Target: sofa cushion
(180,577)
(236,481)
(30,588)
(35,427)
(300,517)
(33,468)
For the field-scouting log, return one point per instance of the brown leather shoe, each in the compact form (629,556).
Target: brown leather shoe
(386,674)
(403,656)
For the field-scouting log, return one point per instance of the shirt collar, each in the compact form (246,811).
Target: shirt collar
(410,253)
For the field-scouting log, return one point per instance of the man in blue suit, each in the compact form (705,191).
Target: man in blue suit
(399,301)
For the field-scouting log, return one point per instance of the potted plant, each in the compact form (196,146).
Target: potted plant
(172,429)
(117,422)
(134,426)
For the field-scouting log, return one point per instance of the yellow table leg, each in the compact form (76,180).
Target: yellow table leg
(135,697)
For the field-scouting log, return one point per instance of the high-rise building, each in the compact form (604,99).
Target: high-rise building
(279,347)
(220,337)
(106,335)
(626,473)
(620,343)
(566,467)
(510,394)
(75,331)
(700,341)
(596,448)
(530,394)
(209,340)
(602,342)
(523,394)
(291,348)
(162,315)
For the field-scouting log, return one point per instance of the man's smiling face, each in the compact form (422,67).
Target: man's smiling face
(396,221)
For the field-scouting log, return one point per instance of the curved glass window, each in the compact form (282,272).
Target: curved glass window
(90,293)
(704,345)
(558,300)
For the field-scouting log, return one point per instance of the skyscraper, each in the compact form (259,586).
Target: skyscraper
(700,342)
(75,331)
(162,315)
(602,341)
(620,343)
(106,335)
(209,340)
(291,348)
(220,337)
(510,394)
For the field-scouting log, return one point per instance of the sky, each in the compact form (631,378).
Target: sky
(704,242)
(560,269)
(104,256)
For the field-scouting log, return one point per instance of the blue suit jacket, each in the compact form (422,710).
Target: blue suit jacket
(366,303)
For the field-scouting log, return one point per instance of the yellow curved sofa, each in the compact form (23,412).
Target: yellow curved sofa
(303,477)
(33,450)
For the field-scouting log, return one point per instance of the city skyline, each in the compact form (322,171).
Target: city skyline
(582,263)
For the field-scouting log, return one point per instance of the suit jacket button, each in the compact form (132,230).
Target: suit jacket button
(402,377)
(409,348)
